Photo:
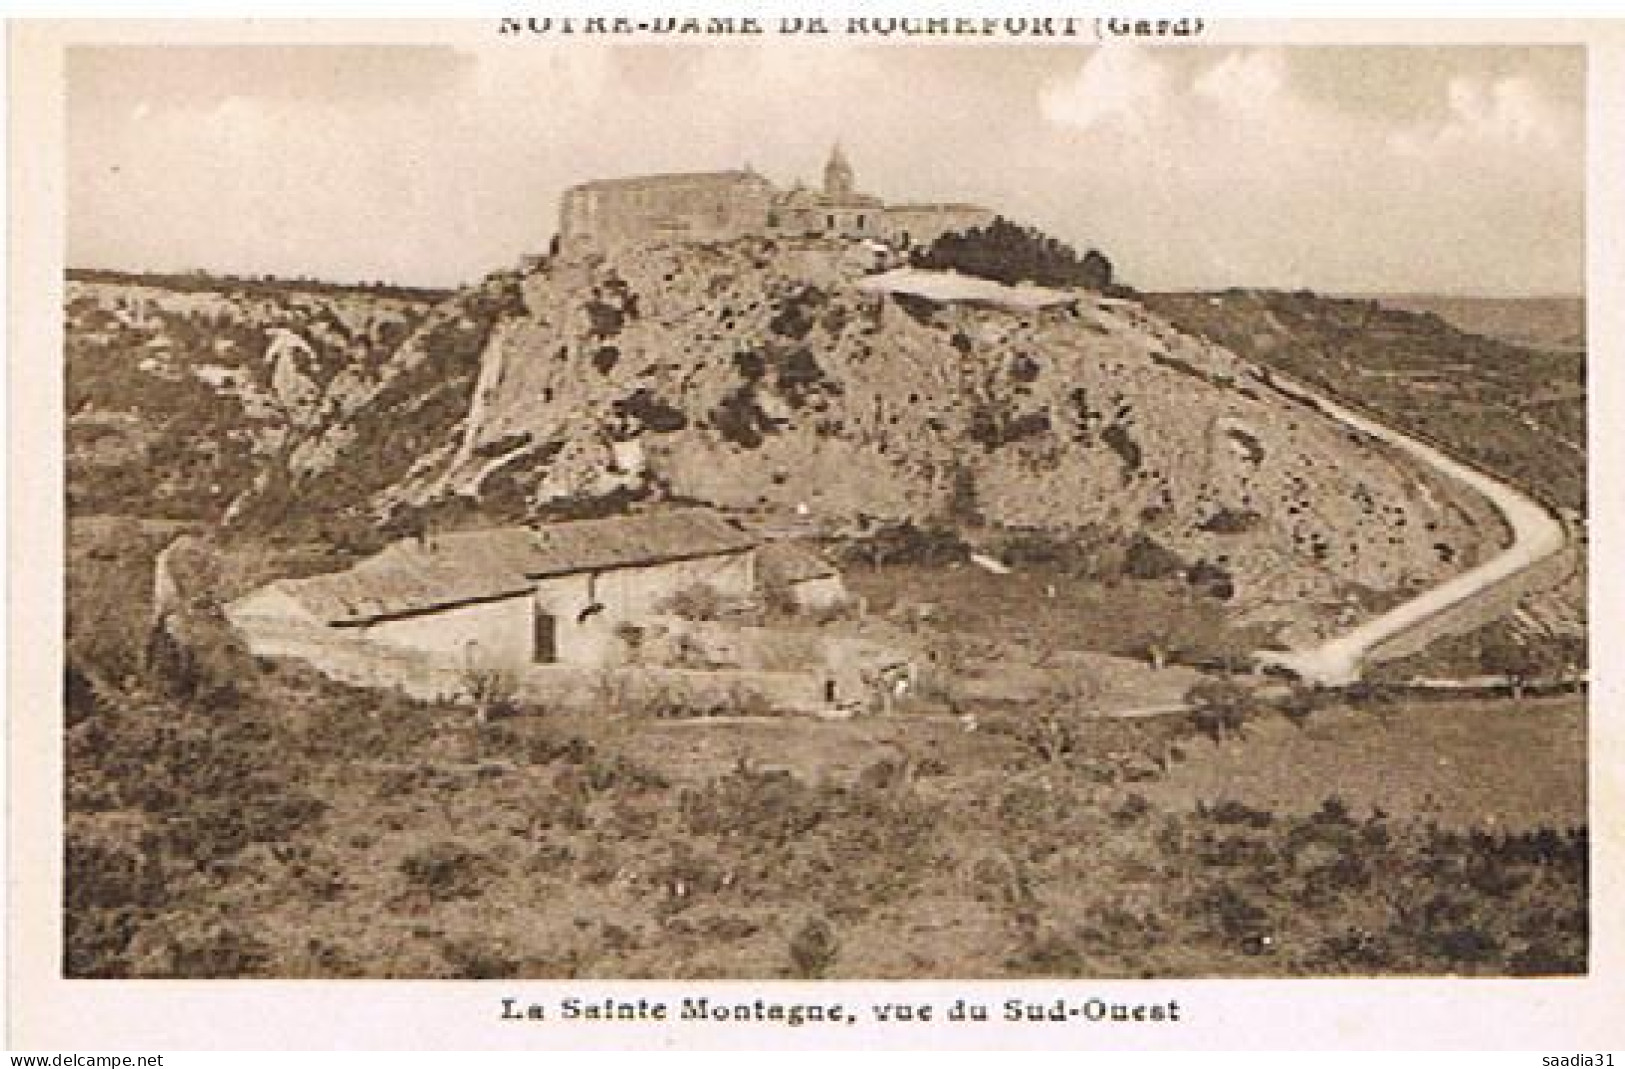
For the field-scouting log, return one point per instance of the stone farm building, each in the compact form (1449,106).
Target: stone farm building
(722,205)
(545,603)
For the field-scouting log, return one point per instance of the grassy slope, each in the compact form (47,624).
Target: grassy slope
(308,829)
(313,830)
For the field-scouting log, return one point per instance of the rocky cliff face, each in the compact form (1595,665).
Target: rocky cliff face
(757,375)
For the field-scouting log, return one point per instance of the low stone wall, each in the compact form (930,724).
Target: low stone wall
(357,661)
(672,691)
(658,691)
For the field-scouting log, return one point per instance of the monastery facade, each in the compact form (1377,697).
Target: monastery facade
(722,205)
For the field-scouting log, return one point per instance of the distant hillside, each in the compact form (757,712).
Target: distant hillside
(203,282)
(182,394)
(1547,323)
(1517,415)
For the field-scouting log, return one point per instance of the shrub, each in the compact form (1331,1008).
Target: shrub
(493,691)
(1211,580)
(446,871)
(478,958)
(1008,252)
(1149,559)
(1218,707)
(698,602)
(813,949)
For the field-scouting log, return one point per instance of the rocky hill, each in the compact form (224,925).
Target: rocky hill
(181,393)
(759,376)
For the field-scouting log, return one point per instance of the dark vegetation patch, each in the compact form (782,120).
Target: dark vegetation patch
(922,310)
(1149,559)
(651,411)
(799,378)
(994,425)
(611,307)
(263,286)
(1116,435)
(1232,521)
(740,418)
(798,312)
(1212,580)
(1011,253)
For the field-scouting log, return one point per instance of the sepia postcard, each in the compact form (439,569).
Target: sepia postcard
(1031,530)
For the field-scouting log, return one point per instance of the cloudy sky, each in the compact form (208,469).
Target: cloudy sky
(1343,169)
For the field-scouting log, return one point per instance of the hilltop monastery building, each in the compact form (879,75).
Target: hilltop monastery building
(722,205)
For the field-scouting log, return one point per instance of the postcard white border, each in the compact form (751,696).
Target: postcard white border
(52,1013)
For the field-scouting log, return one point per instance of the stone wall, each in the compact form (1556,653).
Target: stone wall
(491,634)
(697,207)
(629,595)
(432,677)
(724,205)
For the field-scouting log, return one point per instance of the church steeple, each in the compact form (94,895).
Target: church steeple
(838,178)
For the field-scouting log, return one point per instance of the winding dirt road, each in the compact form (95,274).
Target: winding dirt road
(1536,535)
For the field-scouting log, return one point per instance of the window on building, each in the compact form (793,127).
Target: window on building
(546,646)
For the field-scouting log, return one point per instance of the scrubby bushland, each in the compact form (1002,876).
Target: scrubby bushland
(380,836)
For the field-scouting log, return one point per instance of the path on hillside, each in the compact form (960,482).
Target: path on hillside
(1536,535)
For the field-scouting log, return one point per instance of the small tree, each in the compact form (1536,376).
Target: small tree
(1096,271)
(494,691)
(1219,707)
(698,602)
(1301,703)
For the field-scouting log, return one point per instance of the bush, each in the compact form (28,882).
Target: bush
(699,602)
(813,949)
(447,871)
(1218,708)
(1150,559)
(494,691)
(904,543)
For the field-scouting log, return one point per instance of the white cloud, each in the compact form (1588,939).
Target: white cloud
(1243,81)
(1499,115)
(1114,86)
(1221,169)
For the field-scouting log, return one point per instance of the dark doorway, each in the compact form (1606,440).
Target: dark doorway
(545,649)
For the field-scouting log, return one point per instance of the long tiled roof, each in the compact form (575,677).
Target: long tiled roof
(395,584)
(455,568)
(598,545)
(786,562)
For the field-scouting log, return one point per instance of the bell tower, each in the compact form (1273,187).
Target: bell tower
(838,178)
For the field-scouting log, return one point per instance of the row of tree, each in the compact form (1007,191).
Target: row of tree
(1011,253)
